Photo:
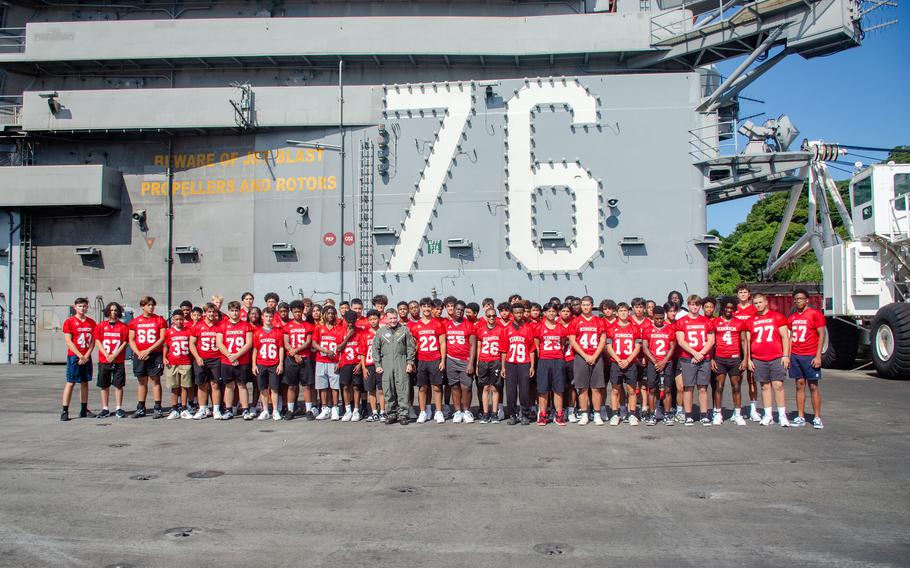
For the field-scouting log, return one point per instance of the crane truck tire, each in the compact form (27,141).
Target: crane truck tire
(891,341)
(841,344)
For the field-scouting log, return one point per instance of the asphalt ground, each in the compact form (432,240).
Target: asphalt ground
(121,493)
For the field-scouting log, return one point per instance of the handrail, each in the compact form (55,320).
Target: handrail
(12,40)
(702,145)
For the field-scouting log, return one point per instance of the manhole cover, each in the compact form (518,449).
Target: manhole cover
(552,548)
(205,474)
(407,490)
(181,532)
(143,477)
(118,445)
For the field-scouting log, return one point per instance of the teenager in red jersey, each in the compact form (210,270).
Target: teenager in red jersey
(349,361)
(430,335)
(460,355)
(488,338)
(472,312)
(413,312)
(111,339)
(551,338)
(744,311)
(695,336)
(329,339)
(178,365)
(517,357)
(807,331)
(267,366)
(642,321)
(769,356)
(146,341)
(565,320)
(78,334)
(196,316)
(588,338)
(505,314)
(623,347)
(207,361)
(235,340)
(372,380)
(298,335)
(658,345)
(246,301)
(728,361)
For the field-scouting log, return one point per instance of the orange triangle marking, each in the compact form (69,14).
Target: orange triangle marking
(149,242)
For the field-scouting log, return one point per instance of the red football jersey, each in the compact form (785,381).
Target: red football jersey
(518,342)
(550,340)
(328,338)
(234,338)
(457,339)
(503,322)
(268,346)
(351,352)
(744,314)
(587,332)
(297,333)
(765,342)
(426,334)
(804,331)
(362,323)
(659,339)
(366,345)
(489,341)
(726,337)
(177,343)
(206,339)
(112,337)
(623,338)
(695,331)
(642,325)
(244,315)
(148,330)
(567,325)
(82,332)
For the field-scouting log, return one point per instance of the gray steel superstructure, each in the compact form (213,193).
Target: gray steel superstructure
(192,148)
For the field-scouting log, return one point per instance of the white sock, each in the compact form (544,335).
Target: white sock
(119,407)
(782,411)
(429,409)
(679,409)
(291,406)
(309,406)
(752,405)
(768,411)
(737,412)
(570,410)
(347,407)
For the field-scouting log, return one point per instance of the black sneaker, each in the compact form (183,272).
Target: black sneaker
(524,420)
(310,415)
(227,415)
(103,414)
(391,419)
(157,413)
(514,420)
(404,420)
(288,415)
(494,418)
(297,412)
(120,413)
(86,413)
(64,416)
(140,412)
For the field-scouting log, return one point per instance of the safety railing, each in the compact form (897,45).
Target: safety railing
(10,109)
(713,141)
(683,19)
(12,40)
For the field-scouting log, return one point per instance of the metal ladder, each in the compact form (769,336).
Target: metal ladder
(365,245)
(28,294)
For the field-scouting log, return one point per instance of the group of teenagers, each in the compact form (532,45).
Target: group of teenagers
(531,363)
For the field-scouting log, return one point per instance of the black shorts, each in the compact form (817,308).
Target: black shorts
(347,377)
(373,380)
(629,375)
(656,379)
(569,367)
(296,374)
(208,372)
(551,376)
(728,366)
(111,374)
(428,373)
(239,373)
(268,377)
(588,376)
(152,366)
(488,373)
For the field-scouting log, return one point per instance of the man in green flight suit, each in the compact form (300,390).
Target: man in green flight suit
(394,351)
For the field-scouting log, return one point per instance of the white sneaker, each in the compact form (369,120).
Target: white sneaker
(583,420)
(355,416)
(440,417)
(784,422)
(173,414)
(598,419)
(208,412)
(276,415)
(186,415)
(572,417)
(200,414)
(718,418)
(423,417)
(766,420)
(216,414)
(347,415)
(739,420)
(458,417)
(614,420)
(264,415)
(335,415)
(817,423)
(324,414)
(467,417)
(754,416)
(633,420)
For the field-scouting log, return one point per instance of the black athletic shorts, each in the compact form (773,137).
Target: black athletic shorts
(239,373)
(729,366)
(208,372)
(428,373)
(152,366)
(629,375)
(589,376)
(570,373)
(654,378)
(296,374)
(268,377)
(347,377)
(488,373)
(111,374)
(373,381)
(551,375)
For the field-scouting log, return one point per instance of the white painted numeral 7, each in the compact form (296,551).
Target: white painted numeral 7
(456,99)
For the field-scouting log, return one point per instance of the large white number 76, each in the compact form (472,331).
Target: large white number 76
(456,99)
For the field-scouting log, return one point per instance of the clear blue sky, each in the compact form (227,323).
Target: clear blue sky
(860,96)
